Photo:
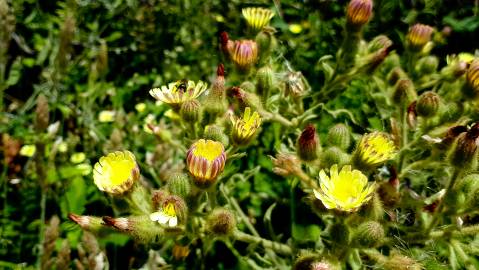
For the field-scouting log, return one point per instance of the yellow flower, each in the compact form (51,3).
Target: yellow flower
(295,28)
(176,93)
(166,215)
(205,161)
(245,128)
(106,116)
(116,172)
(472,76)
(373,149)
(346,190)
(257,18)
(140,107)
(28,150)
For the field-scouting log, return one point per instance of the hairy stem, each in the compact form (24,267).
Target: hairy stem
(267,244)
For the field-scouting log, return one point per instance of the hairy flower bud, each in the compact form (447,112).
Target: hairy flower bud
(246,99)
(286,164)
(295,84)
(428,104)
(264,81)
(216,133)
(378,43)
(404,92)
(226,44)
(339,136)
(308,144)
(244,53)
(334,155)
(140,227)
(418,36)
(88,223)
(400,262)
(190,111)
(464,152)
(340,234)
(266,42)
(358,13)
(179,184)
(368,234)
(215,103)
(221,222)
(427,64)
(313,262)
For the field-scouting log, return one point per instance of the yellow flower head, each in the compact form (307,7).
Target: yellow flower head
(28,150)
(373,149)
(116,172)
(257,18)
(346,190)
(205,161)
(245,128)
(106,116)
(176,93)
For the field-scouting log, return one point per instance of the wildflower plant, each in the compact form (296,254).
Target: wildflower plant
(366,159)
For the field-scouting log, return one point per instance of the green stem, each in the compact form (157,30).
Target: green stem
(276,117)
(308,181)
(435,218)
(404,137)
(266,244)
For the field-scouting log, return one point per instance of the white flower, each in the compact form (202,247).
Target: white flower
(166,215)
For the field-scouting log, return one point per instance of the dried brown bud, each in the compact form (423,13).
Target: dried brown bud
(286,164)
(221,222)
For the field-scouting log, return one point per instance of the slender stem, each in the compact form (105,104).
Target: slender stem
(240,212)
(267,244)
(308,181)
(404,137)
(276,117)
(435,218)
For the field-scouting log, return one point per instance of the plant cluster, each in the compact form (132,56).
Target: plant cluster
(399,190)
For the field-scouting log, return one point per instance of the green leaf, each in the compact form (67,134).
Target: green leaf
(15,72)
(74,199)
(304,233)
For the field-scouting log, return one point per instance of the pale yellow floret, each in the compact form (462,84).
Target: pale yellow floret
(208,149)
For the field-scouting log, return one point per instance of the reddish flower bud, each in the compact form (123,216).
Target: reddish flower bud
(308,144)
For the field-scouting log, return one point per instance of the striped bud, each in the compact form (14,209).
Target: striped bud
(428,104)
(308,144)
(418,36)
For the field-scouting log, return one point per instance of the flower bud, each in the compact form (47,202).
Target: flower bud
(427,64)
(313,262)
(226,44)
(140,227)
(469,184)
(215,102)
(464,152)
(264,81)
(471,88)
(221,222)
(246,99)
(339,136)
(395,75)
(373,60)
(42,113)
(205,161)
(191,110)
(216,133)
(179,184)
(358,13)
(374,209)
(418,36)
(88,223)
(334,155)
(404,92)
(428,104)
(369,234)
(389,191)
(266,42)
(401,262)
(244,54)
(248,86)
(308,144)
(378,43)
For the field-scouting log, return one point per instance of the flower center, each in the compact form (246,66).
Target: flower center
(118,170)
(169,210)
(208,149)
